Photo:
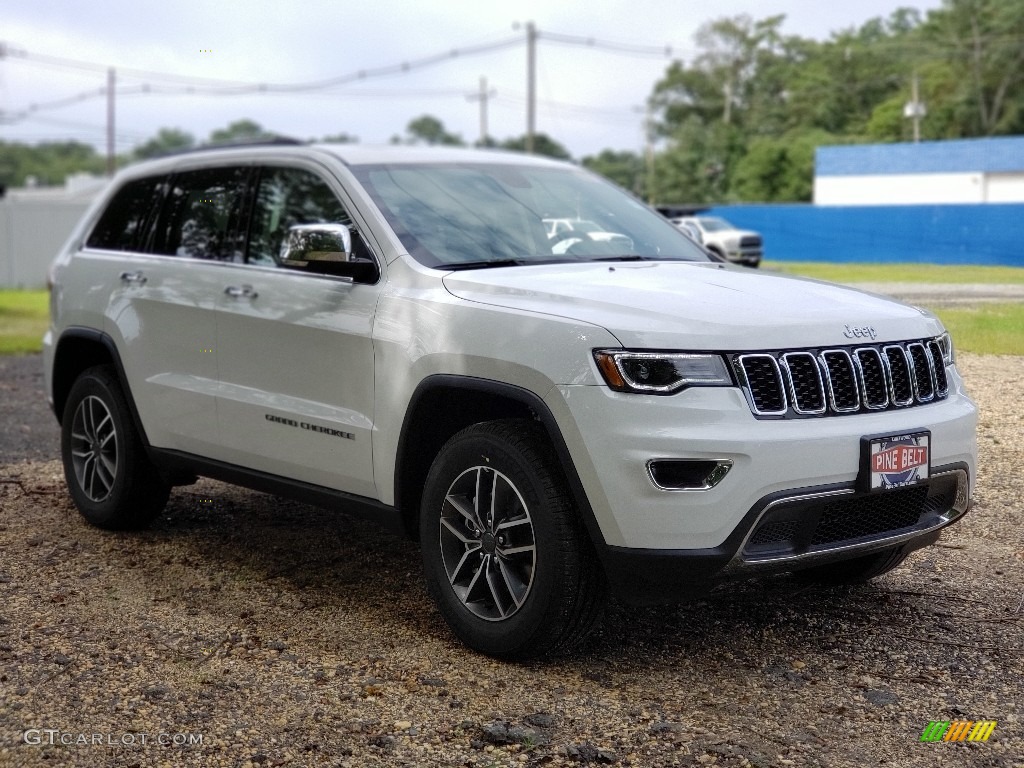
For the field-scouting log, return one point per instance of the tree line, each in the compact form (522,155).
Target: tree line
(742,120)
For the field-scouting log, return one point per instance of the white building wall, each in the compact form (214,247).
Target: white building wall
(909,189)
(1004,188)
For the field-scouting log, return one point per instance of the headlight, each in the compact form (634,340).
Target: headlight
(660,373)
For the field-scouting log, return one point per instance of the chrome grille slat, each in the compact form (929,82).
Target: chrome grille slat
(838,381)
(763,384)
(922,372)
(939,366)
(901,388)
(872,374)
(841,379)
(803,379)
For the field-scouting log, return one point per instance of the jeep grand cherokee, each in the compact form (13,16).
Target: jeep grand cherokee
(392,332)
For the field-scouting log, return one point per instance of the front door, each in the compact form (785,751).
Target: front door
(294,349)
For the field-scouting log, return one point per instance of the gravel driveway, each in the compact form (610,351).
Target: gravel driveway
(283,635)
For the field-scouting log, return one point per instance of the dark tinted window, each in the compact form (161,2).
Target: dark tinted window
(285,197)
(200,219)
(123,225)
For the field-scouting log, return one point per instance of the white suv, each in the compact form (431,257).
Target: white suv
(389,331)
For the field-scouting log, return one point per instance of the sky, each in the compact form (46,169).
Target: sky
(589,97)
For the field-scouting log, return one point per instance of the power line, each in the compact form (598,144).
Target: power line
(237,87)
(627,49)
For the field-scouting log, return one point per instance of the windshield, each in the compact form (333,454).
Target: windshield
(469,215)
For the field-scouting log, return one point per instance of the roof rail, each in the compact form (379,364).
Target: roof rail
(270,140)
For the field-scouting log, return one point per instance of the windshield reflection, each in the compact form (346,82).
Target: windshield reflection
(471,215)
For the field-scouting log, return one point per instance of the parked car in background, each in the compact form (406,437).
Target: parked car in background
(718,236)
(564,233)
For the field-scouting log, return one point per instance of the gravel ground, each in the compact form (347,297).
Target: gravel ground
(28,429)
(285,635)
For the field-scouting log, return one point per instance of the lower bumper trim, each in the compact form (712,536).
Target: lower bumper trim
(793,530)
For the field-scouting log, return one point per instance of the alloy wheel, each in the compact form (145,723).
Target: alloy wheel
(488,544)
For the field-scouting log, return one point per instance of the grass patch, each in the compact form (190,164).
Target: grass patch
(986,329)
(899,273)
(24,316)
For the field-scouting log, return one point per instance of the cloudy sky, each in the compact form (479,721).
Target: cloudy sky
(589,98)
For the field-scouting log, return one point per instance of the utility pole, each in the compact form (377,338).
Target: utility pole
(531,85)
(915,109)
(111,158)
(483,96)
(649,152)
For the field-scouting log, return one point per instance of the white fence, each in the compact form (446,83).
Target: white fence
(31,233)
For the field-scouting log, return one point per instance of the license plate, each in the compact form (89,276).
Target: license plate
(894,461)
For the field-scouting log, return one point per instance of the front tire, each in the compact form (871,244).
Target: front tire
(505,556)
(111,480)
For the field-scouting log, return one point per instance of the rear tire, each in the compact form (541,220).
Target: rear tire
(505,555)
(110,477)
(855,571)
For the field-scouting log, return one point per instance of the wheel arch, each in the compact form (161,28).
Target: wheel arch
(79,349)
(444,404)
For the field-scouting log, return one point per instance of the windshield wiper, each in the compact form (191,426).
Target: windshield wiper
(487,263)
(627,257)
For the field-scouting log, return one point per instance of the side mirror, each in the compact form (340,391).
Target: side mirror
(325,249)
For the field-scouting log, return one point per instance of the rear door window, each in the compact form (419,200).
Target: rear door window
(201,215)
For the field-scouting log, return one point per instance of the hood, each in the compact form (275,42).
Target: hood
(697,306)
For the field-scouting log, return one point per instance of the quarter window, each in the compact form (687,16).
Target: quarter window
(124,224)
(201,215)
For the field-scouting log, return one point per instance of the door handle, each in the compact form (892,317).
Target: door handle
(135,277)
(241,292)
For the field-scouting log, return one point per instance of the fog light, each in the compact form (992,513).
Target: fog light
(687,474)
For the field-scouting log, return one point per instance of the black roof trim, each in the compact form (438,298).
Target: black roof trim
(259,141)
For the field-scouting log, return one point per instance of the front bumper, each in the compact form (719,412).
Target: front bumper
(791,486)
(788,532)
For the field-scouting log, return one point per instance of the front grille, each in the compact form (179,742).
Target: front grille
(811,525)
(869,516)
(775,531)
(750,242)
(831,382)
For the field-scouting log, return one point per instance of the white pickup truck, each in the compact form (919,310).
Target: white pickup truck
(723,239)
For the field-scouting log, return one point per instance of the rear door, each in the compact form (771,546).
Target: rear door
(294,349)
(162,308)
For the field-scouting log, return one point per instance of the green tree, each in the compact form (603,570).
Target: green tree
(427,129)
(49,163)
(340,138)
(741,120)
(736,71)
(627,169)
(779,168)
(542,145)
(981,40)
(240,130)
(166,140)
(697,164)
